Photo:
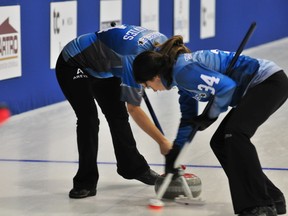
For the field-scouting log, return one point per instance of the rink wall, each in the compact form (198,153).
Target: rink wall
(37,86)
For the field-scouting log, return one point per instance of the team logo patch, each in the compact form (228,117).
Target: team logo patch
(80,75)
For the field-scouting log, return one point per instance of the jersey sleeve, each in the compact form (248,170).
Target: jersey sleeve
(189,109)
(198,83)
(131,92)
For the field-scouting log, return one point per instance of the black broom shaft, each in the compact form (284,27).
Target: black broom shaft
(151,110)
(241,48)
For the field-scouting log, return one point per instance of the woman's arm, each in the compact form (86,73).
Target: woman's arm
(145,123)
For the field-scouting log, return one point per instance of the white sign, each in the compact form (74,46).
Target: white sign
(63,27)
(10,42)
(207,20)
(181,19)
(150,14)
(110,11)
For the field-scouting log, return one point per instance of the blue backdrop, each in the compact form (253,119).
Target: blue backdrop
(38,87)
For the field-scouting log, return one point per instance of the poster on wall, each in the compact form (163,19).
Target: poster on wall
(207,19)
(63,27)
(150,14)
(10,42)
(110,11)
(181,19)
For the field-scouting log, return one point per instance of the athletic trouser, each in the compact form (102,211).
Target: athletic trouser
(231,143)
(80,90)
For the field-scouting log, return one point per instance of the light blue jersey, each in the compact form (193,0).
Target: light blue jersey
(201,74)
(111,52)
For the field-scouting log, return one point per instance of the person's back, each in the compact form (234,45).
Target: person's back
(103,51)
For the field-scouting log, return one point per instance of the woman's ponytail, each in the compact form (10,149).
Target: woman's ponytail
(170,51)
(173,47)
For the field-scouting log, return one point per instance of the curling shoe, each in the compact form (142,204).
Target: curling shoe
(280,205)
(76,193)
(259,211)
(149,177)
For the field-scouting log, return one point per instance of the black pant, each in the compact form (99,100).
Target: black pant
(80,90)
(231,143)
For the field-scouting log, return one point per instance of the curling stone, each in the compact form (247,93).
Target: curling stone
(175,187)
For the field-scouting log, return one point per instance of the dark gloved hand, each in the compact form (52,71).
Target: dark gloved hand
(170,160)
(202,121)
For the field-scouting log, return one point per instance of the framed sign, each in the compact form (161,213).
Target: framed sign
(207,19)
(10,42)
(181,19)
(150,14)
(110,11)
(63,27)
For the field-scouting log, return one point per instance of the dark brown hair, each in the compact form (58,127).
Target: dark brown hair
(149,64)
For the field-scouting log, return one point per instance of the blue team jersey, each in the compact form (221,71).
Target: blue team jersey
(201,74)
(110,53)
